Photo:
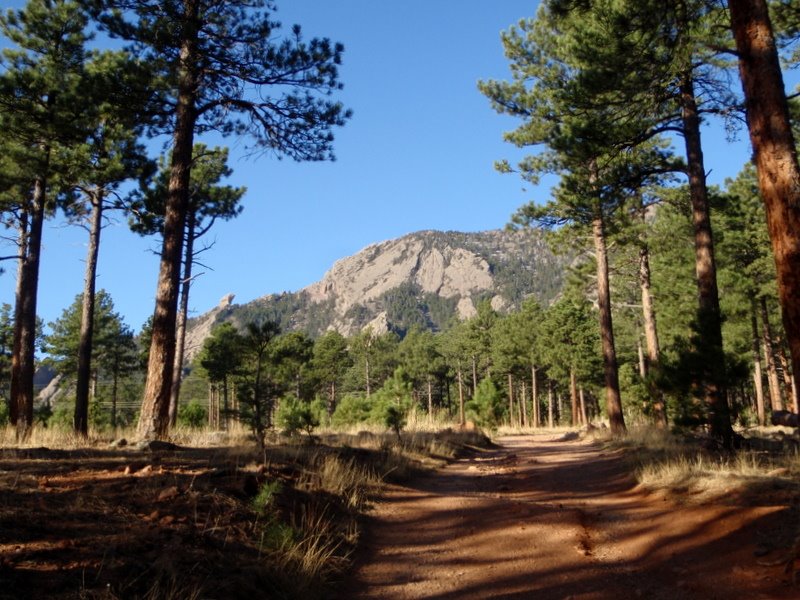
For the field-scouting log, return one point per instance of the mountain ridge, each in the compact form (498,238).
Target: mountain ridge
(425,278)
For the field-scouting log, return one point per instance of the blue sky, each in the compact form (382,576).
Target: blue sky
(417,154)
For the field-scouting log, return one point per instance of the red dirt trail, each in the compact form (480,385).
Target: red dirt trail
(547,516)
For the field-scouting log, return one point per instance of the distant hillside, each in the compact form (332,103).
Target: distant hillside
(426,278)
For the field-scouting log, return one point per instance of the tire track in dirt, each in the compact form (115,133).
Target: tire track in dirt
(549,517)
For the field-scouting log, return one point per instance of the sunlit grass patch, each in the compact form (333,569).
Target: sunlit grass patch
(682,466)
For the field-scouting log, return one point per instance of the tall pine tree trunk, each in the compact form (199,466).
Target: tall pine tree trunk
(788,376)
(776,399)
(535,394)
(23,366)
(711,386)
(584,414)
(774,152)
(651,336)
(758,379)
(524,404)
(22,245)
(573,395)
(85,342)
(183,315)
(613,399)
(550,408)
(510,400)
(154,416)
(461,417)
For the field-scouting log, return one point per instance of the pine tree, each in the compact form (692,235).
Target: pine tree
(775,152)
(43,113)
(228,74)
(208,202)
(330,362)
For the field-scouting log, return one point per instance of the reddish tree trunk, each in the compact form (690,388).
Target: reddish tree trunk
(651,337)
(613,399)
(758,380)
(81,418)
(774,153)
(183,315)
(776,398)
(23,365)
(154,416)
(711,386)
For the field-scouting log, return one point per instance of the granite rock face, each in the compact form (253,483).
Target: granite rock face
(424,278)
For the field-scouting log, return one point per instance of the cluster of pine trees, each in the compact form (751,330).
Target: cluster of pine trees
(685,291)
(602,88)
(75,116)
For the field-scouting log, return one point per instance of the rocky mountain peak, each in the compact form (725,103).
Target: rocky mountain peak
(425,278)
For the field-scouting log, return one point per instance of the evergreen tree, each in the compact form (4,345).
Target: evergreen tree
(109,156)
(43,113)
(208,202)
(330,362)
(775,152)
(113,350)
(221,358)
(420,360)
(228,73)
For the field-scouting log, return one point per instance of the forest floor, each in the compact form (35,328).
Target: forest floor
(532,516)
(554,516)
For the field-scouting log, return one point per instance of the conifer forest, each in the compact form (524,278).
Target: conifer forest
(599,402)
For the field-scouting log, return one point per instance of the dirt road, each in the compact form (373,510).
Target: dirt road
(547,517)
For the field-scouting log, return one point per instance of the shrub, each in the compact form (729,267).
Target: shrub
(351,410)
(294,416)
(395,419)
(192,415)
(487,408)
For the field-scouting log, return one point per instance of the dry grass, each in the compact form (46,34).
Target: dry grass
(683,466)
(296,534)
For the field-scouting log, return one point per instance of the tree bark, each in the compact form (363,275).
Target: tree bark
(183,315)
(550,404)
(461,416)
(13,409)
(23,365)
(535,393)
(573,395)
(711,383)
(788,376)
(651,337)
(154,416)
(524,404)
(510,400)
(776,398)
(774,151)
(584,414)
(613,399)
(758,379)
(85,343)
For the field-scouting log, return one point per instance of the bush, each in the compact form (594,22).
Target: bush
(394,418)
(192,415)
(351,410)
(319,409)
(487,409)
(61,417)
(294,416)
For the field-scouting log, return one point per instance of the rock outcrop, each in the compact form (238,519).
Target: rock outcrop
(424,278)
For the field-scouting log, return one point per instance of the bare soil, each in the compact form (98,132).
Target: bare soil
(557,517)
(125,523)
(542,516)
